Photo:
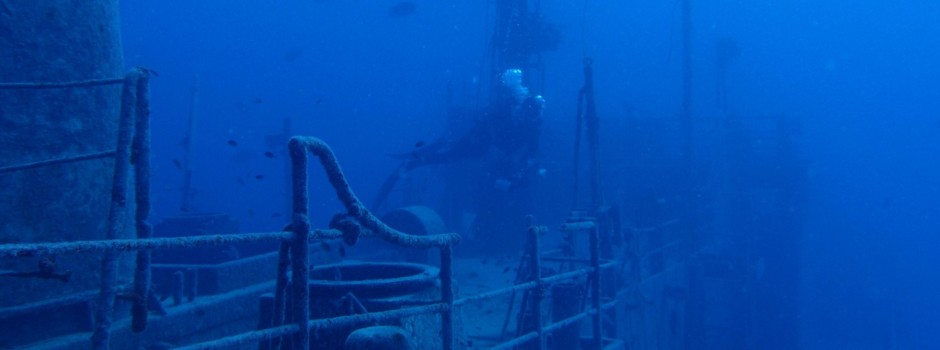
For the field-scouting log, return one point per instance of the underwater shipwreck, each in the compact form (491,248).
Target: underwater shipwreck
(83,266)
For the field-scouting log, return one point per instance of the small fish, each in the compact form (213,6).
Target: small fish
(341,251)
(257,101)
(318,101)
(232,143)
(419,144)
(240,181)
(178,164)
(325,246)
(402,9)
(269,154)
(259,177)
(506,269)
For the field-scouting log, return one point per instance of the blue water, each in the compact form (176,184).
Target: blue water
(860,76)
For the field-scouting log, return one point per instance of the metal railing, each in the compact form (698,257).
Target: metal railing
(133,152)
(133,146)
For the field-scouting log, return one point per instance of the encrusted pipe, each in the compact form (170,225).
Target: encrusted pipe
(265,316)
(447,296)
(102,334)
(140,156)
(58,248)
(300,293)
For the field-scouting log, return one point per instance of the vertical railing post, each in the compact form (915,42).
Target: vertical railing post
(536,273)
(141,159)
(596,286)
(300,296)
(101,337)
(447,296)
(178,286)
(280,290)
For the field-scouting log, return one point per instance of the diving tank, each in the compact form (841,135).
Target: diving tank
(56,41)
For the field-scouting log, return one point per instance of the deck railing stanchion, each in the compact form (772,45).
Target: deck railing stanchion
(116,215)
(536,273)
(280,289)
(141,160)
(300,296)
(596,287)
(447,296)
(290,324)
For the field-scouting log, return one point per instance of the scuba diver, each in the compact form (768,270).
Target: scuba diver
(503,142)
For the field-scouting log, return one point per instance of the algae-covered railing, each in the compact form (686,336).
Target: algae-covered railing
(133,151)
(538,284)
(133,146)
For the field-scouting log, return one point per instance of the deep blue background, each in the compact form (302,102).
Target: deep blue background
(861,75)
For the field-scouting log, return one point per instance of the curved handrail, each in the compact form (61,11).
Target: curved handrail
(300,145)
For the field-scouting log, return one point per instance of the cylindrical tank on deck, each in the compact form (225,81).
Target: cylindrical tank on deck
(56,41)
